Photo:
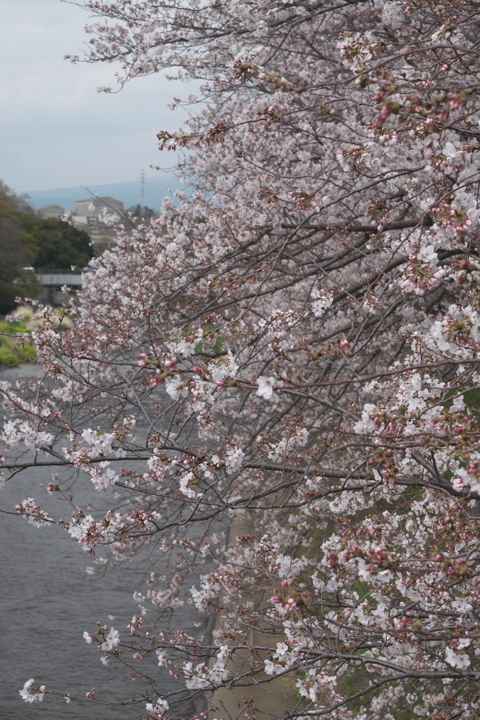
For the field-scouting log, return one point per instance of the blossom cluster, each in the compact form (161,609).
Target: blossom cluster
(297,338)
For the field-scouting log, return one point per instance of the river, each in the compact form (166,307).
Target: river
(48,601)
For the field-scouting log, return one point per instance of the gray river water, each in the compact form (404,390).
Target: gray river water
(47,601)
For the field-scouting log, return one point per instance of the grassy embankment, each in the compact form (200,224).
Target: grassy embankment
(14,345)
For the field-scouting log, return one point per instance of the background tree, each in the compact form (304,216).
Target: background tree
(53,243)
(11,202)
(15,279)
(312,312)
(142,212)
(27,240)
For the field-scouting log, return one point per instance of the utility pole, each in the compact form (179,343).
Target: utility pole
(142,189)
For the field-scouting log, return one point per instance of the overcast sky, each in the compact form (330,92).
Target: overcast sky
(56,130)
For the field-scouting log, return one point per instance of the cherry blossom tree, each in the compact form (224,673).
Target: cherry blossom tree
(300,334)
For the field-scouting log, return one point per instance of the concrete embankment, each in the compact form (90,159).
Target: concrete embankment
(272,697)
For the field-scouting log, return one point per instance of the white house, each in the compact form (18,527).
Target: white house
(87,217)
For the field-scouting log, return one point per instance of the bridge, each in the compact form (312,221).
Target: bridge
(52,282)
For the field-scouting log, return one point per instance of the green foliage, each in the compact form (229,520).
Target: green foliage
(53,243)
(27,240)
(11,203)
(472,399)
(15,279)
(14,347)
(213,343)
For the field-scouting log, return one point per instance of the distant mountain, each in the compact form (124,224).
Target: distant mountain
(156,188)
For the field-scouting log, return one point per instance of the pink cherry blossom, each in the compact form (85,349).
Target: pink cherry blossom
(298,338)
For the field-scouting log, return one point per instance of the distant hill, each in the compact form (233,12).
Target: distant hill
(156,188)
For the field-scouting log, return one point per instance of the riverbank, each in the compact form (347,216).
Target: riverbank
(272,697)
(15,347)
(15,330)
